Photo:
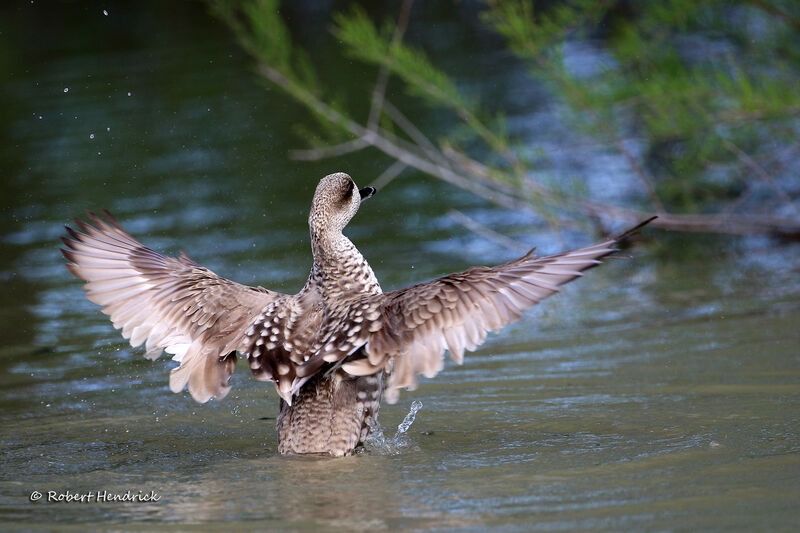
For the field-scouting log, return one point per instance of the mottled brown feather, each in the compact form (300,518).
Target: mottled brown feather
(165,301)
(411,328)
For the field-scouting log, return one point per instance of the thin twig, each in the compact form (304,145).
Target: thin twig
(492,175)
(379,93)
(736,115)
(533,190)
(479,229)
(388,175)
(763,174)
(413,132)
(639,171)
(772,9)
(607,129)
(326,152)
(734,204)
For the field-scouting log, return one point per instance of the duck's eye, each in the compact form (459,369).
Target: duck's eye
(349,192)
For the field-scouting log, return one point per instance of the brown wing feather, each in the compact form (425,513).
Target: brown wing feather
(165,302)
(456,312)
(408,331)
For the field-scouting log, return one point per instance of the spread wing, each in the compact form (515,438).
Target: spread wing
(407,331)
(167,303)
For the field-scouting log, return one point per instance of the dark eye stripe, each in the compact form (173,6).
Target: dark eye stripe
(350,187)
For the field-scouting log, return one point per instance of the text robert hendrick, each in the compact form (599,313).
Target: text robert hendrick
(95,496)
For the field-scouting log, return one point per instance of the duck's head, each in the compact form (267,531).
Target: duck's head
(336,201)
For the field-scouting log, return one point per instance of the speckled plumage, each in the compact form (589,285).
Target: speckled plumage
(328,348)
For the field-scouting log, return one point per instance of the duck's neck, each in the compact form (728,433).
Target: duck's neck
(331,245)
(339,268)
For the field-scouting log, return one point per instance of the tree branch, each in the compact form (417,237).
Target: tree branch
(487,233)
(761,173)
(379,93)
(325,152)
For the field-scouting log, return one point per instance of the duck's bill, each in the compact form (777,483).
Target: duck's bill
(367,192)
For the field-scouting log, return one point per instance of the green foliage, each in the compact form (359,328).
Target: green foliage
(364,41)
(261,31)
(707,87)
(270,37)
(536,35)
(324,132)
(690,107)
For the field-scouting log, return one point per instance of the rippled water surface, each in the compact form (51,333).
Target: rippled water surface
(659,393)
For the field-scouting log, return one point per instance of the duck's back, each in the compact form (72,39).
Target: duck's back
(327,410)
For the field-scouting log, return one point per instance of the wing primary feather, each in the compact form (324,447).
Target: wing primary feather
(162,302)
(455,312)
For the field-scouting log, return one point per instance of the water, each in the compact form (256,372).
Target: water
(377,442)
(658,393)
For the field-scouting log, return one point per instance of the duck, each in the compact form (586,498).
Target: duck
(333,351)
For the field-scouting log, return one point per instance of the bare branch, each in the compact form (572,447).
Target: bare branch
(491,175)
(640,173)
(413,132)
(315,154)
(388,175)
(487,233)
(379,93)
(772,9)
(763,174)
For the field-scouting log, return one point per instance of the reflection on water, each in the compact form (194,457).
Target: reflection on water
(660,392)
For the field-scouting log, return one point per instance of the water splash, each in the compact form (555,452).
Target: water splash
(416,405)
(377,441)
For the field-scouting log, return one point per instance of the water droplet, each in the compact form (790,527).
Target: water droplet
(394,445)
(91,135)
(416,405)
(105,12)
(129,93)
(66,89)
